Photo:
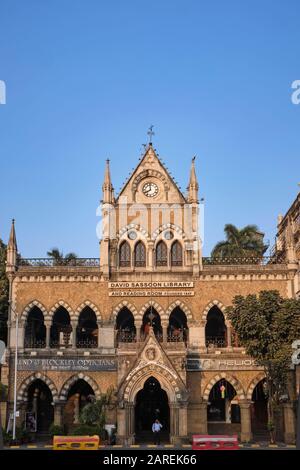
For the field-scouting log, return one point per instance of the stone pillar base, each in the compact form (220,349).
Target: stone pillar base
(125,440)
(246,432)
(289,423)
(179,440)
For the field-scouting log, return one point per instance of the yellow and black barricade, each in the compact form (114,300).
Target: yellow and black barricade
(76,442)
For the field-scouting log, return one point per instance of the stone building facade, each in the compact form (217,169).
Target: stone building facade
(147,319)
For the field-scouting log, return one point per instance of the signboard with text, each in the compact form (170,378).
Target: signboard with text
(197,364)
(65,364)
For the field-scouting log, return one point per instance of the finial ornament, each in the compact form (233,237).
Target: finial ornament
(150,133)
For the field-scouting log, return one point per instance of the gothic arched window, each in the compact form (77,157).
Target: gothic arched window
(161,254)
(176,254)
(140,255)
(124,254)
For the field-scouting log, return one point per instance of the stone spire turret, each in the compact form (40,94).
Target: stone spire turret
(193,184)
(107,187)
(12,251)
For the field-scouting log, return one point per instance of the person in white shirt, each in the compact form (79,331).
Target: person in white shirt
(156,428)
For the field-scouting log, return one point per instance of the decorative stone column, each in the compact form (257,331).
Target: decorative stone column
(76,408)
(246,433)
(174,423)
(150,256)
(121,425)
(99,334)
(165,332)
(58,413)
(129,423)
(182,421)
(178,423)
(289,423)
(74,335)
(21,334)
(138,326)
(228,326)
(48,331)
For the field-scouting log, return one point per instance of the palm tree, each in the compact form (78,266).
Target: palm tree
(240,243)
(59,258)
(56,255)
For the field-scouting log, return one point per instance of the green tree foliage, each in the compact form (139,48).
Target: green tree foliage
(93,414)
(245,242)
(266,325)
(3,293)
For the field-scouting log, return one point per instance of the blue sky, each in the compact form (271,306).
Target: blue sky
(85,79)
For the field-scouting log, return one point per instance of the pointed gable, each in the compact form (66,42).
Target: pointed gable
(153,357)
(151,171)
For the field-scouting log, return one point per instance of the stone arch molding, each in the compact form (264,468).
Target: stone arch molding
(92,306)
(22,395)
(158,308)
(149,173)
(34,303)
(122,304)
(232,380)
(178,230)
(253,384)
(214,303)
(167,379)
(61,303)
(184,308)
(133,226)
(71,380)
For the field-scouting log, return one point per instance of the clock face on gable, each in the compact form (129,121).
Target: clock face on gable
(150,189)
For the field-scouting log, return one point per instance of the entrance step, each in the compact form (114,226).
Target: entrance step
(146,437)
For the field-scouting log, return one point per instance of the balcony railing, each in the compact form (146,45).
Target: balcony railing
(176,338)
(126,336)
(50,262)
(215,342)
(250,260)
(33,343)
(87,343)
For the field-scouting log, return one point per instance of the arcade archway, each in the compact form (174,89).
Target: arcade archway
(259,410)
(39,412)
(79,395)
(151,403)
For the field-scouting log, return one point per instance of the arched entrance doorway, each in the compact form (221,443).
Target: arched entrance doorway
(40,406)
(223,411)
(259,410)
(151,403)
(80,394)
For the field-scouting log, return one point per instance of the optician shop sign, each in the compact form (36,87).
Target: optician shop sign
(61,364)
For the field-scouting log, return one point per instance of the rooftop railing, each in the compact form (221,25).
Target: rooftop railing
(207,261)
(251,260)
